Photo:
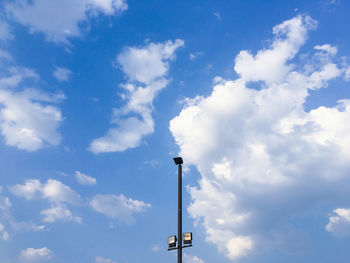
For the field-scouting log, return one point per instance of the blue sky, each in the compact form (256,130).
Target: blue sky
(98,96)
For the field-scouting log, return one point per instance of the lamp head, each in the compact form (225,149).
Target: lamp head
(187,238)
(172,241)
(178,160)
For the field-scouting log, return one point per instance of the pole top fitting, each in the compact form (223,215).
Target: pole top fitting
(178,160)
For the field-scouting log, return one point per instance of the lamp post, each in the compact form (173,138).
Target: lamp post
(186,237)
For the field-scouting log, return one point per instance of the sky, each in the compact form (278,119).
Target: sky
(98,96)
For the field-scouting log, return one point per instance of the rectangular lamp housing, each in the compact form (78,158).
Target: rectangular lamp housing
(172,241)
(187,238)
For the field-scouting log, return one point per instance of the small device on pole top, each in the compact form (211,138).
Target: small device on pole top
(178,160)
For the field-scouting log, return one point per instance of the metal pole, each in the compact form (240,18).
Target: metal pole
(179,217)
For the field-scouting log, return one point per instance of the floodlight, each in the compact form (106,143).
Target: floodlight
(172,241)
(187,238)
(178,160)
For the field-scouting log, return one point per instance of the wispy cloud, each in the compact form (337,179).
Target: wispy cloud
(99,259)
(84,179)
(146,69)
(118,207)
(59,19)
(35,254)
(62,74)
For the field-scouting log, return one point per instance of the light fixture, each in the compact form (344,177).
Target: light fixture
(178,160)
(187,238)
(172,241)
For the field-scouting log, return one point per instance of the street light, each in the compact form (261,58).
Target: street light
(172,241)
(186,237)
(178,160)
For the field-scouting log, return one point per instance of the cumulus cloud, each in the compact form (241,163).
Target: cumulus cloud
(104,260)
(29,190)
(192,259)
(339,224)
(289,37)
(60,20)
(262,157)
(327,48)
(59,212)
(28,120)
(35,255)
(53,190)
(84,179)
(118,207)
(57,193)
(146,69)
(62,74)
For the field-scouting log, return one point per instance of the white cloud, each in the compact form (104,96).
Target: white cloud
(148,63)
(16,75)
(5,32)
(59,212)
(194,55)
(289,37)
(84,179)
(339,224)
(118,207)
(25,226)
(104,260)
(53,190)
(5,235)
(56,193)
(347,74)
(59,19)
(3,232)
(327,48)
(146,69)
(62,74)
(35,255)
(27,120)
(153,163)
(192,259)
(5,203)
(263,159)
(29,190)
(239,246)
